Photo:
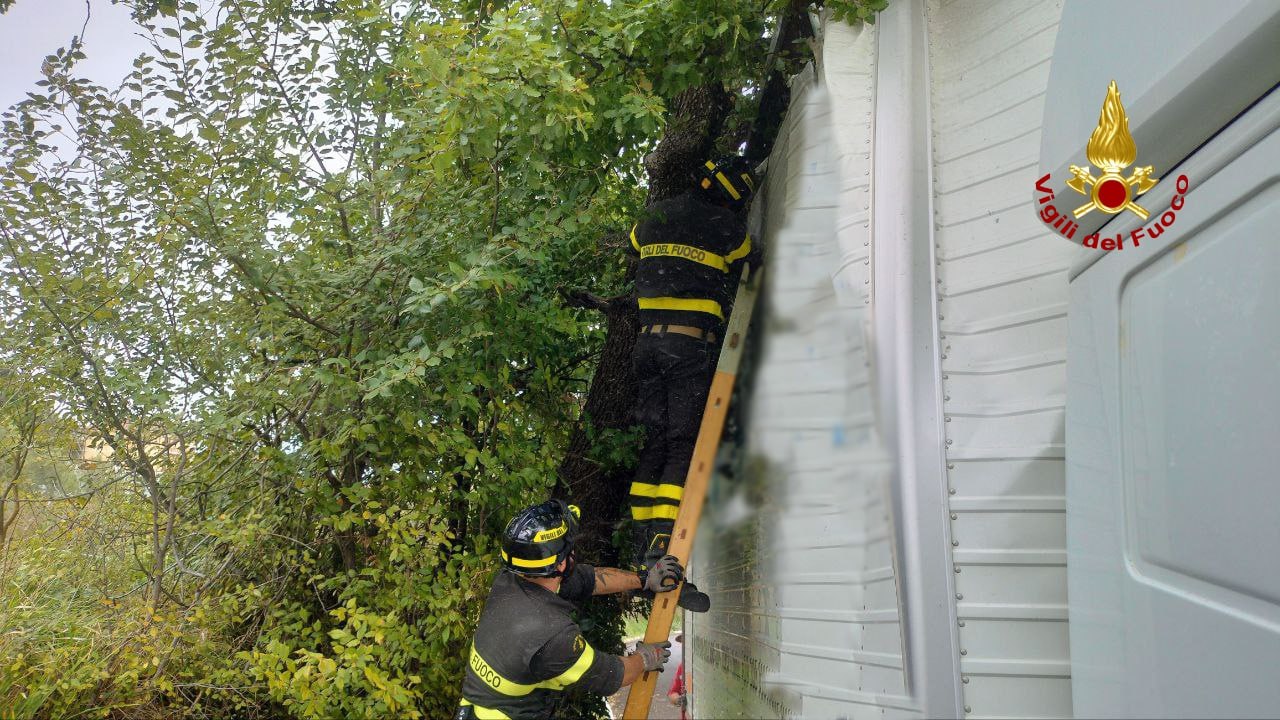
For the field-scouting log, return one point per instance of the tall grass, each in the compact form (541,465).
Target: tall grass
(77,639)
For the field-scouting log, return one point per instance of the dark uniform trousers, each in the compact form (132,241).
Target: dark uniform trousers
(674,373)
(690,258)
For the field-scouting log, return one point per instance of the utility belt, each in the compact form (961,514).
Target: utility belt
(689,330)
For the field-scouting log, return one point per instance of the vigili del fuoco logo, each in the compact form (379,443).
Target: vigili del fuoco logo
(1111,150)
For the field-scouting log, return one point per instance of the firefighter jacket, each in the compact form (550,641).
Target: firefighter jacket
(527,649)
(689,254)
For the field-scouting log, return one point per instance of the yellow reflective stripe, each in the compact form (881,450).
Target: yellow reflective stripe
(490,677)
(574,673)
(656,512)
(711,307)
(742,251)
(634,242)
(665,490)
(710,165)
(484,713)
(685,252)
(521,562)
(733,191)
(551,534)
(746,178)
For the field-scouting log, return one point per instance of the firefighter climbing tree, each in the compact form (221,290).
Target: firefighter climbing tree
(695,488)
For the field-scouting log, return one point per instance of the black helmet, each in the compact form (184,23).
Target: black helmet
(727,179)
(539,537)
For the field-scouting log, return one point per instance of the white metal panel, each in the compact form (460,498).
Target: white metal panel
(797,553)
(1190,321)
(1172,531)
(906,356)
(1002,305)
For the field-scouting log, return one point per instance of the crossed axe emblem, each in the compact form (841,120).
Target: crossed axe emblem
(1106,188)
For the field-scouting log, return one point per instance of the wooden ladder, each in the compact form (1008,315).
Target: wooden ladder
(695,486)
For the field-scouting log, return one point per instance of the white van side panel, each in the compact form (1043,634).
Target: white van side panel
(1002,325)
(1175,405)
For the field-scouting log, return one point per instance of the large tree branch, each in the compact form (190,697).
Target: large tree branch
(584,300)
(784,52)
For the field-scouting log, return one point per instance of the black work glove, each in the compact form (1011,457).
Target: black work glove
(655,654)
(664,576)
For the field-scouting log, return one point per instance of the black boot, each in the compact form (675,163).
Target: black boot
(639,544)
(690,598)
(649,542)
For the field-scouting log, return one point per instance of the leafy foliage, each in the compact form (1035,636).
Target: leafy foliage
(299,279)
(856,11)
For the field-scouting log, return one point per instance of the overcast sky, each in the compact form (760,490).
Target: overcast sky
(34,28)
